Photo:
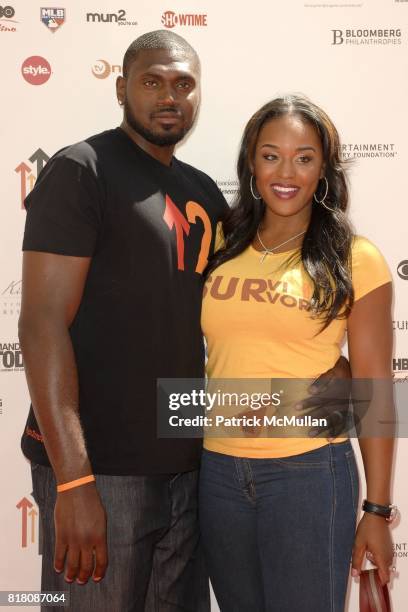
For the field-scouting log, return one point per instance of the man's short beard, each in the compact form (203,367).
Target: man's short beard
(160,140)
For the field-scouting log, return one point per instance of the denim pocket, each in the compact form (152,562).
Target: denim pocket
(38,477)
(354,481)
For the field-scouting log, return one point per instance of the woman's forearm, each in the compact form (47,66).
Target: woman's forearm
(377,454)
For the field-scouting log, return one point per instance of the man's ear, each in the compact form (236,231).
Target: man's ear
(121,89)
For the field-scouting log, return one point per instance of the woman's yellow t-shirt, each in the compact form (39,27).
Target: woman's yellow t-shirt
(257,324)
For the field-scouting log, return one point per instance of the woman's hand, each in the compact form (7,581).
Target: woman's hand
(373,539)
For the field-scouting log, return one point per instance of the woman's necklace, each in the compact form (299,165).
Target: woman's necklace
(268,251)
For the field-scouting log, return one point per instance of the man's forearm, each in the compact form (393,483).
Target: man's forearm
(53,384)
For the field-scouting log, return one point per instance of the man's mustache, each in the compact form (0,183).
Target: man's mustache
(166,111)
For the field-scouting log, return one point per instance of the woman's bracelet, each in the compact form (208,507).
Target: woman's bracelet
(75,483)
(388,512)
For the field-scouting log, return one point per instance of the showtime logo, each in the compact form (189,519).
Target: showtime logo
(170,19)
(36,70)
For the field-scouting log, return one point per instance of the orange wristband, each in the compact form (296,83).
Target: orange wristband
(75,483)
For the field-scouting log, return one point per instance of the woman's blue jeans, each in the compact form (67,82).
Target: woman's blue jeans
(278,533)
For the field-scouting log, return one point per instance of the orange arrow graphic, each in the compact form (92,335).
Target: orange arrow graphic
(174,218)
(33,513)
(31,180)
(24,503)
(23,169)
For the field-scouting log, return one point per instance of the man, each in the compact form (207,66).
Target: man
(117,236)
(118,233)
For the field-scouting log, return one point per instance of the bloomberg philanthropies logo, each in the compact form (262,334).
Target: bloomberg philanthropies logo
(170,19)
(367,36)
(36,70)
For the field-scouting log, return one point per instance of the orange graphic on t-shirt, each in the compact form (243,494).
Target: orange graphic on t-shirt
(193,211)
(173,217)
(254,289)
(34,434)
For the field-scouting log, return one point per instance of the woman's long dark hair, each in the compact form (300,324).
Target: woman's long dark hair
(326,249)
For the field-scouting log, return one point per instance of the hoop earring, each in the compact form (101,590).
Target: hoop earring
(251,186)
(323,200)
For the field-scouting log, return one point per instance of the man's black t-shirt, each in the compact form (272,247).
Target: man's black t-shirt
(149,229)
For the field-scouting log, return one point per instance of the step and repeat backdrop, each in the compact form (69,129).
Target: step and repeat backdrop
(58,71)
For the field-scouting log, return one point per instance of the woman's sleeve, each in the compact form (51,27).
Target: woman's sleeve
(369,268)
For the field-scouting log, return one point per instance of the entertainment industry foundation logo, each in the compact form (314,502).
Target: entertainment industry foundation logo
(103,69)
(228,187)
(11,299)
(400,548)
(36,70)
(11,358)
(52,18)
(368,150)
(119,18)
(27,176)
(402,269)
(367,36)
(28,521)
(171,20)
(7,23)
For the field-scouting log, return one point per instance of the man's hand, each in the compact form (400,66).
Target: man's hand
(80,534)
(330,398)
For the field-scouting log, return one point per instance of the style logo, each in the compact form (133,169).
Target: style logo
(103,69)
(367,36)
(36,70)
(11,298)
(170,19)
(119,18)
(402,269)
(27,176)
(368,150)
(6,19)
(11,358)
(29,523)
(53,18)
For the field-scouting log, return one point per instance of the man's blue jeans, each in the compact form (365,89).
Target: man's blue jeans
(278,533)
(155,558)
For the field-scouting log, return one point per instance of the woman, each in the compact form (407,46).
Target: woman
(278,514)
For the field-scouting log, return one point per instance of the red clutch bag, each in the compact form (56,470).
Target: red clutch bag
(373,596)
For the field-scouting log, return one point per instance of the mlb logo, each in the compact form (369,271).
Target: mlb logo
(53,18)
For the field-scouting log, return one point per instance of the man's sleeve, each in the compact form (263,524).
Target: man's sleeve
(64,210)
